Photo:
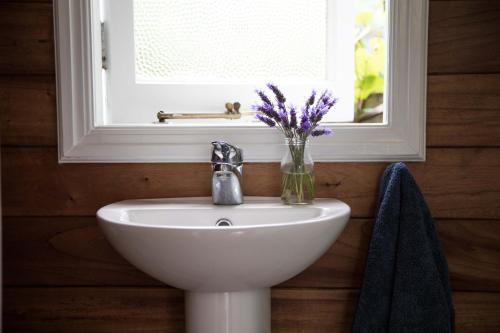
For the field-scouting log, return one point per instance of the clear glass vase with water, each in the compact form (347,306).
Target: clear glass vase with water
(297,172)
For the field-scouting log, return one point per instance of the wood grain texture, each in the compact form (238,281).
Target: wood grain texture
(462,37)
(73,251)
(457,183)
(103,310)
(34,1)
(28,114)
(463,110)
(26,38)
(472,249)
(64,251)
(55,262)
(477,312)
(84,310)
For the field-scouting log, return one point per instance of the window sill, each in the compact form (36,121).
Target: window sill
(167,143)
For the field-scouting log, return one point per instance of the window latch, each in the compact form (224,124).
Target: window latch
(232,112)
(162,116)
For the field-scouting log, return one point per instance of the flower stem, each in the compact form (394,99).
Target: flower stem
(298,181)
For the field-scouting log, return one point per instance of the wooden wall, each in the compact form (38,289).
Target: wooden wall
(61,275)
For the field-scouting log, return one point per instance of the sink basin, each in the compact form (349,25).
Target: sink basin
(225,257)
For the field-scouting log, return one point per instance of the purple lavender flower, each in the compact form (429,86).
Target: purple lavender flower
(305,125)
(284,120)
(324,104)
(269,111)
(314,109)
(279,95)
(280,99)
(310,101)
(293,117)
(319,114)
(264,97)
(323,95)
(277,115)
(321,131)
(268,121)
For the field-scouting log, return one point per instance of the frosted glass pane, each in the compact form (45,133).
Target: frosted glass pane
(203,40)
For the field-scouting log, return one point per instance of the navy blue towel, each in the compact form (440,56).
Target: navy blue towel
(405,286)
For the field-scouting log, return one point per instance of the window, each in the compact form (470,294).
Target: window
(121,61)
(194,56)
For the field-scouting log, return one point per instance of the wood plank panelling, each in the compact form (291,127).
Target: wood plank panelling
(73,251)
(86,310)
(472,249)
(80,189)
(477,312)
(462,110)
(63,276)
(36,1)
(26,38)
(28,114)
(457,183)
(101,310)
(63,251)
(462,37)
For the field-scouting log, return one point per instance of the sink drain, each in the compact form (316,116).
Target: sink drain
(223,223)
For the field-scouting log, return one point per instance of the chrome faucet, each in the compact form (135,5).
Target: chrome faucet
(227,169)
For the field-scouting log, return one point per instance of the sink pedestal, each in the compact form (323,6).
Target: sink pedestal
(229,312)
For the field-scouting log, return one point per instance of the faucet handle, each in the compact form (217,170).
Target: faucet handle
(223,152)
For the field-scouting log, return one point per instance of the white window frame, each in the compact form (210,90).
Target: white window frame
(80,104)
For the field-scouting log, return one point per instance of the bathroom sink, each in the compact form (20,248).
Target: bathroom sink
(225,257)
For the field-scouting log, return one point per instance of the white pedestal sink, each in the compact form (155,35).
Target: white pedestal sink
(226,270)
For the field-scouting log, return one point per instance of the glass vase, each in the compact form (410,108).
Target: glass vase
(297,177)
